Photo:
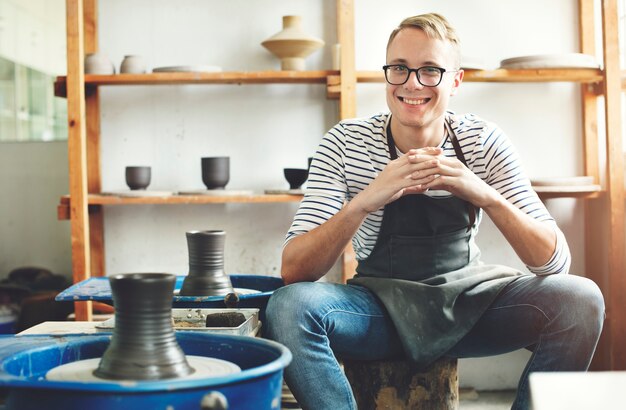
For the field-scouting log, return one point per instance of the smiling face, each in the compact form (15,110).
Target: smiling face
(415,108)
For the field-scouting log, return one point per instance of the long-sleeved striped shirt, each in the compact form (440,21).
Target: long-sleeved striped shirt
(355,151)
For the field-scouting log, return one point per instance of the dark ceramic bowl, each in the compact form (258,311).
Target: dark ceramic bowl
(296,177)
(138,177)
(215,172)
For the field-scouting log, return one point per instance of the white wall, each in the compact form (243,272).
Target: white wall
(32,33)
(265,128)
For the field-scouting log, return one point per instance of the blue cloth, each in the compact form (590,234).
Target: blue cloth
(559,317)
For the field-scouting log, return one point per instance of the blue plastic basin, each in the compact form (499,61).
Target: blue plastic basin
(24,361)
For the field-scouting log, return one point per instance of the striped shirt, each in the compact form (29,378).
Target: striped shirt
(355,151)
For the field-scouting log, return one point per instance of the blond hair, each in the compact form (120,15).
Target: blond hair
(434,26)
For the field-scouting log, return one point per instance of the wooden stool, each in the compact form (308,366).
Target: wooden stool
(396,385)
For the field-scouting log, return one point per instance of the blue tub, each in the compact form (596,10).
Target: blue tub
(24,361)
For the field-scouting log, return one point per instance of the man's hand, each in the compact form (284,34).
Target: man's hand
(409,174)
(451,175)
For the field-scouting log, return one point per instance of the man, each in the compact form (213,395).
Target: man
(409,188)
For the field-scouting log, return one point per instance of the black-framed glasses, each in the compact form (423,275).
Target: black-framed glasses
(428,76)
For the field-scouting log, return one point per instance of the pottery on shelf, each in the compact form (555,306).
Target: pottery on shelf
(138,177)
(296,176)
(133,64)
(292,45)
(98,63)
(143,345)
(206,265)
(215,172)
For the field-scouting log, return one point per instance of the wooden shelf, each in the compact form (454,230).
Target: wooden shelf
(225,77)
(587,192)
(63,209)
(578,75)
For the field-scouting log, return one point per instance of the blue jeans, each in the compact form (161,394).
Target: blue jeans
(558,317)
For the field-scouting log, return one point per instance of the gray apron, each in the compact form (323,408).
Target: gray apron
(420,269)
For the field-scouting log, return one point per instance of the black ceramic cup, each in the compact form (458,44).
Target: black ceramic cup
(138,177)
(215,172)
(296,176)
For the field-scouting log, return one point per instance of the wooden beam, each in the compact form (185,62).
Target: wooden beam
(77,150)
(225,77)
(596,225)
(347,97)
(333,87)
(90,25)
(345,35)
(92,102)
(615,186)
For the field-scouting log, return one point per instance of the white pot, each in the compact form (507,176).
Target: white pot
(98,63)
(133,64)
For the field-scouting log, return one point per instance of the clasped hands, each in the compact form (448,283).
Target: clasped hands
(422,169)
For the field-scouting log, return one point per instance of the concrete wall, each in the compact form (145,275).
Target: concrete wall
(265,128)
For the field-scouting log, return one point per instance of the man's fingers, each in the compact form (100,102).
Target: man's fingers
(426,151)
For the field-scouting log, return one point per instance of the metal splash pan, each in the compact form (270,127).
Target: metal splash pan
(194,320)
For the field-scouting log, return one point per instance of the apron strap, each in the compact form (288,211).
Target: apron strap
(391,143)
(471,209)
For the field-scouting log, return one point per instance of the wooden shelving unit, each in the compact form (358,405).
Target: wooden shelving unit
(604,215)
(84,204)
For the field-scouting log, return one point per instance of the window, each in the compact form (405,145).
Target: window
(29,111)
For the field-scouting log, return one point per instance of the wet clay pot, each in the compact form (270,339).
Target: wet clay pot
(143,346)
(206,265)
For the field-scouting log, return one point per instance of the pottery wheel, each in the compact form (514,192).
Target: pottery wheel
(82,371)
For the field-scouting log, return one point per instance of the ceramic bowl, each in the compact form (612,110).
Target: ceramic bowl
(133,64)
(98,63)
(215,172)
(296,177)
(138,177)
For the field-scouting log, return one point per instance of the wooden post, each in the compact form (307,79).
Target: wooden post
(77,150)
(616,297)
(94,179)
(398,384)
(596,224)
(347,97)
(345,35)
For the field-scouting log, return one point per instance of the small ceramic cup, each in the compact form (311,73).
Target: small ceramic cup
(138,177)
(215,172)
(296,177)
(133,64)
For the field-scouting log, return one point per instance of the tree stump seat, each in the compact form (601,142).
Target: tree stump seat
(399,384)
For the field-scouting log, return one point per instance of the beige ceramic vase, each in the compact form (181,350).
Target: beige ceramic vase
(292,45)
